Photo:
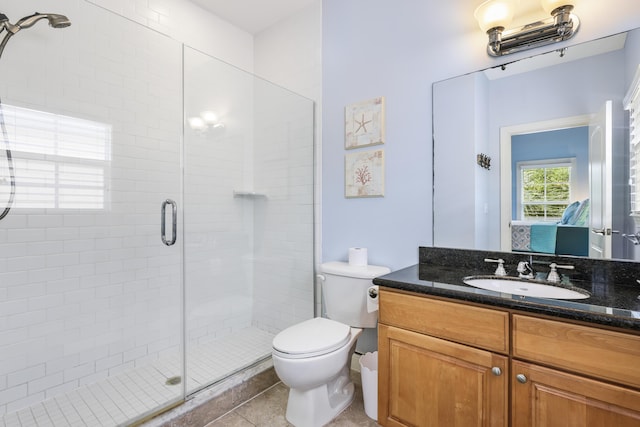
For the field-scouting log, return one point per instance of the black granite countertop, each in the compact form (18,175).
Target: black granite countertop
(614,299)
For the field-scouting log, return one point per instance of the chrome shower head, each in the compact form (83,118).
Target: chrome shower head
(55,20)
(58,21)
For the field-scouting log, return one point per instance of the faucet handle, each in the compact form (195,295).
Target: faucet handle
(553,275)
(500,271)
(553,265)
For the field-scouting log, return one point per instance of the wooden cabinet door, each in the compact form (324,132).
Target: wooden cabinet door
(549,398)
(426,381)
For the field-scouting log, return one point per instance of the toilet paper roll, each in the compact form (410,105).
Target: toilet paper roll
(372,298)
(358,257)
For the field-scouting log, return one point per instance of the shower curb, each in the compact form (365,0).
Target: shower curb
(210,404)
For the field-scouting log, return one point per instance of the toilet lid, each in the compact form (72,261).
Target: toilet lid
(317,336)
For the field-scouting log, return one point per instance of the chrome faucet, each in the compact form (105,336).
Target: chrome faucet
(525,271)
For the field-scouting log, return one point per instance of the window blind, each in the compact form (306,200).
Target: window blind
(632,104)
(59,161)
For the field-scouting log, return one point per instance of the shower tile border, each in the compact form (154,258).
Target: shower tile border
(214,402)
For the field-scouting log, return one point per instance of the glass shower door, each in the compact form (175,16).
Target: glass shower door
(248,216)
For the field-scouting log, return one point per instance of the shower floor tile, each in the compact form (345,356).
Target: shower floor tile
(129,395)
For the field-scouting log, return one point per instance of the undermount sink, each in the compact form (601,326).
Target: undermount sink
(528,288)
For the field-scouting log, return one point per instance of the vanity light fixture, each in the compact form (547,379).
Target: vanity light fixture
(494,16)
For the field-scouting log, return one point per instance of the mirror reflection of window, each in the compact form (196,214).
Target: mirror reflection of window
(544,189)
(60,162)
(632,104)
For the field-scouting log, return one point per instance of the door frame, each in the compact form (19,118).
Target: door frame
(506,133)
(601,218)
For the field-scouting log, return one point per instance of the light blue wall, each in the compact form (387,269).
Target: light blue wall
(633,57)
(398,49)
(541,96)
(557,144)
(457,212)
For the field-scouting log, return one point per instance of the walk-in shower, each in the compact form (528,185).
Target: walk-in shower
(100,322)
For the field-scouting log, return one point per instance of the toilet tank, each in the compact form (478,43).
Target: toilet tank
(345,292)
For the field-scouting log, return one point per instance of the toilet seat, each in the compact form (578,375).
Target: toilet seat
(311,338)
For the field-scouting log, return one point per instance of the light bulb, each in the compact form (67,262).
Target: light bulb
(495,13)
(209,117)
(197,123)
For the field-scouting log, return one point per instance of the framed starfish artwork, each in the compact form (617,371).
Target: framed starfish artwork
(364,123)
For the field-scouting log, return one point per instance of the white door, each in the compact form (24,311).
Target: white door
(600,158)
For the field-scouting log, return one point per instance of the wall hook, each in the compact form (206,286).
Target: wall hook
(484,161)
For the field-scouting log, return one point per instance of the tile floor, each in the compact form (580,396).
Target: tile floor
(116,400)
(268,410)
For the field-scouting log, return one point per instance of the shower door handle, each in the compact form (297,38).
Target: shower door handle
(174,222)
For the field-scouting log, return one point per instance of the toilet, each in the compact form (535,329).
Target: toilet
(313,358)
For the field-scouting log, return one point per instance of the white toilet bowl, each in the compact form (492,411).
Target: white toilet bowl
(313,358)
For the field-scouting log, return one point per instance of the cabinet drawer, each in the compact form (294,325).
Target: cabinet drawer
(596,352)
(479,327)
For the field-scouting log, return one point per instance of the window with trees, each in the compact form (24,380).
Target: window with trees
(544,188)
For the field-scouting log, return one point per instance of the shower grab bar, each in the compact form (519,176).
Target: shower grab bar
(174,223)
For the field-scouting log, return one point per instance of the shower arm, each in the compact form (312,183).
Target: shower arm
(9,27)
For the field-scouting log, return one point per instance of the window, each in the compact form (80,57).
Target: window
(544,188)
(632,103)
(60,162)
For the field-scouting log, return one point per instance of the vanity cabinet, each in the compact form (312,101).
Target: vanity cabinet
(440,363)
(447,363)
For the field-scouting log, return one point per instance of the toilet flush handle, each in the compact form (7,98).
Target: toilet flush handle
(373,292)
(321,277)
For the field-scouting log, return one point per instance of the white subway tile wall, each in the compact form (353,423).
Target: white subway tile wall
(88,294)
(290,54)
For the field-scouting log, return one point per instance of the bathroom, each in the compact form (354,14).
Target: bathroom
(333,53)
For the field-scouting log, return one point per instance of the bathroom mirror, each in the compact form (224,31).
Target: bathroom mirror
(534,107)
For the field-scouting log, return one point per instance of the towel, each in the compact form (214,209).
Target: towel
(543,237)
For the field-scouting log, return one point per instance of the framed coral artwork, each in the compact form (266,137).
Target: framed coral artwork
(364,174)
(364,123)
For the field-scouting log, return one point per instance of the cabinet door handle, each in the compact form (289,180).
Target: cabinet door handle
(496,371)
(522,379)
